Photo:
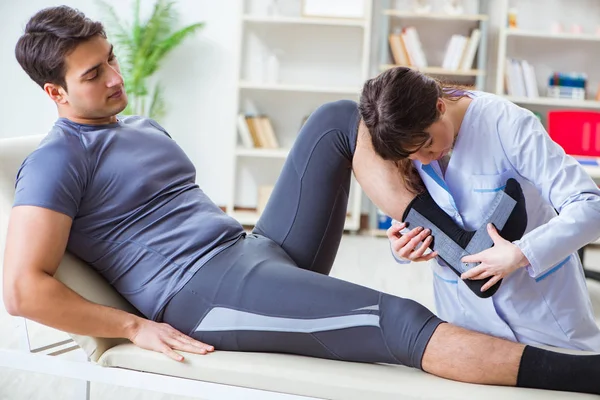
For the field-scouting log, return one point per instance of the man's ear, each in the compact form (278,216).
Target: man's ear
(56,93)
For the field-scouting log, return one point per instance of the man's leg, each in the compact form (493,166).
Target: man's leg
(380,179)
(462,355)
(252,297)
(458,354)
(307,209)
(306,212)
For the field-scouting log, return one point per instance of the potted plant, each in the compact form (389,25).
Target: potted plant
(141,46)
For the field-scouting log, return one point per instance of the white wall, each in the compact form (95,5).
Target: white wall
(199,77)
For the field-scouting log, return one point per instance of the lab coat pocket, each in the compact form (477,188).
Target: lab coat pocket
(484,189)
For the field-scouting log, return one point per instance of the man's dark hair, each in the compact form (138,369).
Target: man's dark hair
(50,35)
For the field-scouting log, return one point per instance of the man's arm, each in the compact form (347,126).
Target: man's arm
(35,244)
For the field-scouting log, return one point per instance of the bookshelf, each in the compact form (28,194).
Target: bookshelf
(352,91)
(593,171)
(523,33)
(555,103)
(547,52)
(435,16)
(286,70)
(436,30)
(261,153)
(258,19)
(440,71)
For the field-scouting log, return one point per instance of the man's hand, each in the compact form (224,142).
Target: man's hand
(165,339)
(498,261)
(405,246)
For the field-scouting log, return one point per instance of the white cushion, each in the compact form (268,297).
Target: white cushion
(315,377)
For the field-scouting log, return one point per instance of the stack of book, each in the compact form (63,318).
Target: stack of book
(461,50)
(520,79)
(567,85)
(256,131)
(407,50)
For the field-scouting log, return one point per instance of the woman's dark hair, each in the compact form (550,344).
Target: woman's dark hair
(397,106)
(50,35)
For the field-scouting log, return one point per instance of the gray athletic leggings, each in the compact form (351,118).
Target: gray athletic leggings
(269,291)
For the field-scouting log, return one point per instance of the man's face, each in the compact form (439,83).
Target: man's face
(94,83)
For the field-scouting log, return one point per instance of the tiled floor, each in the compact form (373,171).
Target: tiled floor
(362,259)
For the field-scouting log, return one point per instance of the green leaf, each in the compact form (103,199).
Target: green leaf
(157,106)
(167,45)
(141,47)
(136,29)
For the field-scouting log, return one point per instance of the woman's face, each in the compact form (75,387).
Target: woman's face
(441,138)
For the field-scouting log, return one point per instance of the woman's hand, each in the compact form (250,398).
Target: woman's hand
(163,338)
(498,261)
(404,246)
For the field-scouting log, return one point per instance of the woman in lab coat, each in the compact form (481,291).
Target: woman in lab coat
(463,146)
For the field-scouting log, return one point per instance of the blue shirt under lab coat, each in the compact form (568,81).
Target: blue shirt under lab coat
(548,301)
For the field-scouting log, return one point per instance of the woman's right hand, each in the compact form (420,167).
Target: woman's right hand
(404,246)
(163,338)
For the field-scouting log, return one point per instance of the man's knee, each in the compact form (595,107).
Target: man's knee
(407,327)
(338,116)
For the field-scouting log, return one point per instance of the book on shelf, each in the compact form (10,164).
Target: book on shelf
(520,79)
(531,88)
(589,161)
(454,51)
(406,48)
(256,131)
(244,131)
(415,49)
(399,53)
(470,50)
(461,50)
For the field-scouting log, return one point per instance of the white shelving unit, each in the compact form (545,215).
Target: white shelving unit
(435,28)
(319,60)
(265,153)
(548,51)
(307,88)
(593,171)
(436,16)
(302,20)
(441,71)
(551,36)
(555,103)
(538,44)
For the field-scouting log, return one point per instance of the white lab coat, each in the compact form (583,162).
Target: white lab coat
(548,301)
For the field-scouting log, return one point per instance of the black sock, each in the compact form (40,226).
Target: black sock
(453,242)
(544,369)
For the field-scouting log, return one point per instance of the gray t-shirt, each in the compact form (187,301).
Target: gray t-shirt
(139,218)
